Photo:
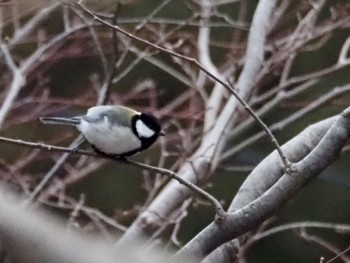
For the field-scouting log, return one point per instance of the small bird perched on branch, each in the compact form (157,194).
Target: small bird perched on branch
(114,130)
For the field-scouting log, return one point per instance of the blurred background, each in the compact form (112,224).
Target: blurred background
(70,62)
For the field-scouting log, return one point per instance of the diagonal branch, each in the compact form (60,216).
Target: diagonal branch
(244,219)
(18,81)
(254,53)
(203,162)
(216,204)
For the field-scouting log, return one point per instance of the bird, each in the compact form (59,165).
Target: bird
(114,130)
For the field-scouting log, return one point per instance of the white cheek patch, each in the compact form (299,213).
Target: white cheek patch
(143,130)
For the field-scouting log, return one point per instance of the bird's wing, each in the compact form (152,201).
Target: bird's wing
(122,116)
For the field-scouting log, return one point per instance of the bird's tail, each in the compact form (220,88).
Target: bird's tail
(60,120)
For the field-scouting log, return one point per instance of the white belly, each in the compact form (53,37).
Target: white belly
(116,140)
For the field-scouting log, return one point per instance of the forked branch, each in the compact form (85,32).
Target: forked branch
(198,65)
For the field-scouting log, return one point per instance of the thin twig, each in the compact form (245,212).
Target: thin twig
(101,98)
(152,14)
(171,174)
(218,208)
(267,131)
(307,224)
(340,255)
(197,64)
(32,23)
(325,244)
(144,55)
(272,104)
(89,211)
(96,41)
(290,119)
(49,175)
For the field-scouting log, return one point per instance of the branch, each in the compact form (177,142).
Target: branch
(268,107)
(338,228)
(203,162)
(254,54)
(102,97)
(343,56)
(268,172)
(218,208)
(214,103)
(280,125)
(50,174)
(221,255)
(18,81)
(32,24)
(244,219)
(327,245)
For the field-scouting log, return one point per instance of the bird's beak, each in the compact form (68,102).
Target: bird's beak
(161,133)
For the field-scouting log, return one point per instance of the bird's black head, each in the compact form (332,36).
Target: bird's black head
(147,128)
(151,122)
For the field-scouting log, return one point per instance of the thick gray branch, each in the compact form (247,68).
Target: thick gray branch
(267,173)
(244,219)
(270,169)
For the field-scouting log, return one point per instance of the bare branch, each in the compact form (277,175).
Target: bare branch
(33,23)
(203,42)
(240,221)
(339,228)
(336,92)
(18,82)
(254,55)
(343,56)
(170,174)
(327,245)
(204,160)
(220,65)
(50,174)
